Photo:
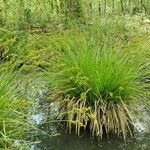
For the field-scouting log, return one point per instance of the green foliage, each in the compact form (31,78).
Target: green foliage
(14,125)
(97,70)
(102,71)
(100,79)
(23,14)
(29,52)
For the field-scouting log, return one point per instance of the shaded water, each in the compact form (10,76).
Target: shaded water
(72,142)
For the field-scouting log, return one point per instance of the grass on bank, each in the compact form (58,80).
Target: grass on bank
(23,50)
(14,124)
(97,85)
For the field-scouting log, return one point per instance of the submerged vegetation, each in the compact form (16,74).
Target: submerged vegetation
(93,58)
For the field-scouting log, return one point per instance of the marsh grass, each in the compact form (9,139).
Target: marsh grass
(29,52)
(97,85)
(97,72)
(14,110)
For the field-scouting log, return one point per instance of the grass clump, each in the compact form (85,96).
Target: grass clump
(97,86)
(14,125)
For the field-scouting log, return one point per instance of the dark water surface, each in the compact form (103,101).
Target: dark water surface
(72,142)
(66,141)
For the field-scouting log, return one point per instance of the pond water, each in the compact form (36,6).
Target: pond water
(66,141)
(72,142)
